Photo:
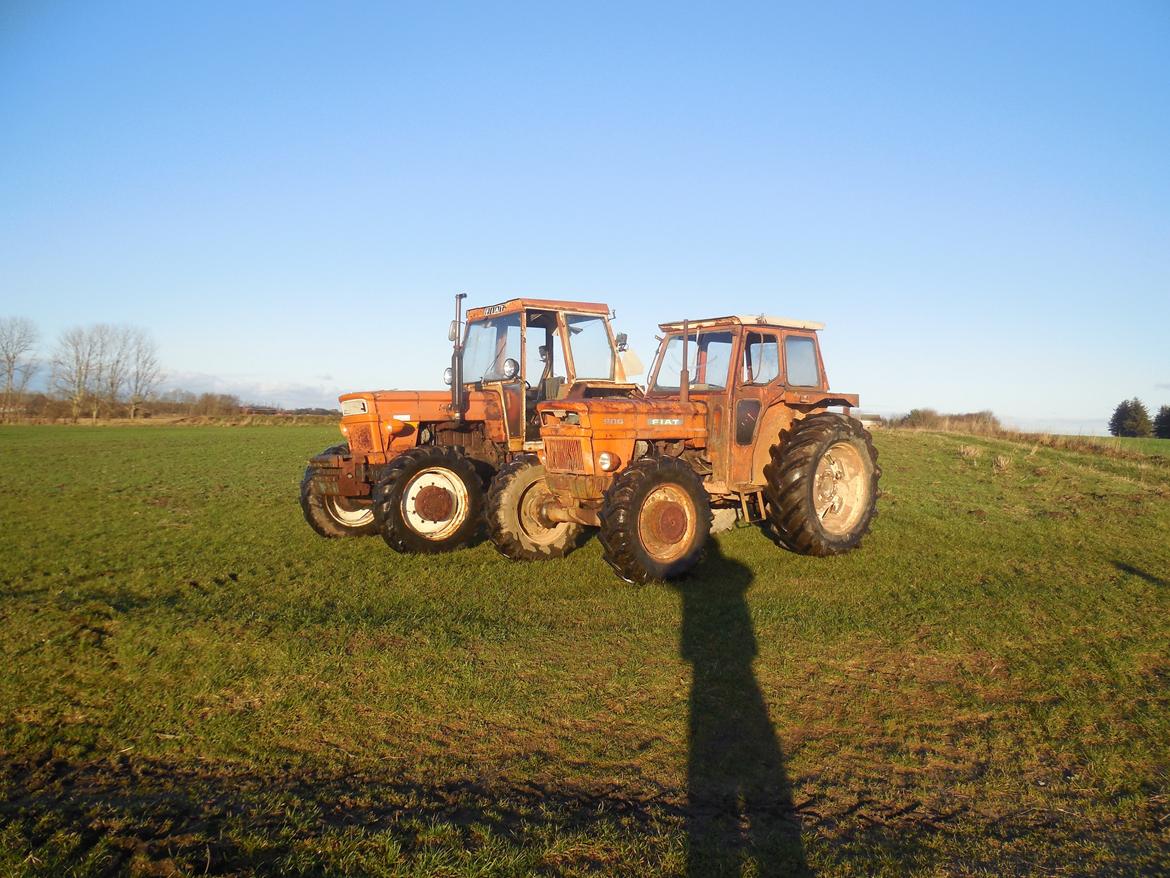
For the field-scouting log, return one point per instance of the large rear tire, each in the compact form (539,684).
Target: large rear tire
(429,500)
(822,485)
(655,521)
(514,522)
(331,516)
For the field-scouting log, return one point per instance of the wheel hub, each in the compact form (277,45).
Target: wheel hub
(669,522)
(840,488)
(434,503)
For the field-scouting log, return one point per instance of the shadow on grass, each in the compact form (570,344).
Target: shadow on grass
(739,799)
(151,816)
(1141,574)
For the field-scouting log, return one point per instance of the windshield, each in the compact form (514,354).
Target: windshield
(489,343)
(589,342)
(709,356)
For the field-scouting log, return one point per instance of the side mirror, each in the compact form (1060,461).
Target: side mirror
(511,369)
(453,330)
(623,341)
(543,352)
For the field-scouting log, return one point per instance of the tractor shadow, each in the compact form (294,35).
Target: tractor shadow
(739,799)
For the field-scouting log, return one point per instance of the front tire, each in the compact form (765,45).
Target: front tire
(430,500)
(655,521)
(332,516)
(514,523)
(822,485)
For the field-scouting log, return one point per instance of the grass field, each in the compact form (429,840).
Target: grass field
(1148,446)
(1152,447)
(194,683)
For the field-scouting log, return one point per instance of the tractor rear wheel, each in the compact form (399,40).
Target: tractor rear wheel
(332,516)
(655,521)
(822,485)
(429,500)
(513,513)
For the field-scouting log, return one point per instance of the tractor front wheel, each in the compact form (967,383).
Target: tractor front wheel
(332,516)
(430,500)
(822,485)
(515,523)
(655,521)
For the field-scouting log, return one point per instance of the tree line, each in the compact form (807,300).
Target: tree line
(101,371)
(96,370)
(1132,418)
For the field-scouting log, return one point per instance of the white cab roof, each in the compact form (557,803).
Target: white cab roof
(748,320)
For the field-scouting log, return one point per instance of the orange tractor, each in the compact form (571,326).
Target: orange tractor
(415,463)
(735,418)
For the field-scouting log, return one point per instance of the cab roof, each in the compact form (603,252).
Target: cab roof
(514,305)
(744,320)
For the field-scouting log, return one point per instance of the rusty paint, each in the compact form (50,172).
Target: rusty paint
(668,521)
(434,503)
(515,306)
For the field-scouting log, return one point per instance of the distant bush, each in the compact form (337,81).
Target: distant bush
(929,419)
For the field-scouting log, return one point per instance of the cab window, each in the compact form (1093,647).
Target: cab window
(489,343)
(709,361)
(589,340)
(800,359)
(761,358)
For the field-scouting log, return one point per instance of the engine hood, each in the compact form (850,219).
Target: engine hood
(621,415)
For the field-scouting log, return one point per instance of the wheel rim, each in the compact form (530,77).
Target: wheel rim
(666,523)
(840,488)
(531,501)
(348,513)
(435,503)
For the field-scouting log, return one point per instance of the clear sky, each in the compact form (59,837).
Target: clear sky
(974,197)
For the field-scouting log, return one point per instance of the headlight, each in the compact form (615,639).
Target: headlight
(608,461)
(511,369)
(448,375)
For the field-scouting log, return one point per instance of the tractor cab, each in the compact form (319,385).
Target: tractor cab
(529,351)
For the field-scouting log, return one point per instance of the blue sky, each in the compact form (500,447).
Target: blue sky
(974,197)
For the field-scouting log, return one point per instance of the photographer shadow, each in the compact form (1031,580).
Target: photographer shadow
(739,806)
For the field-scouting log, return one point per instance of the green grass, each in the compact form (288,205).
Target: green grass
(195,683)
(1148,446)
(1153,447)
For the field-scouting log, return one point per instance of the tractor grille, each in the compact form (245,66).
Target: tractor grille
(564,455)
(360,438)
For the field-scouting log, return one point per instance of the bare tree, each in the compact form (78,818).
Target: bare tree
(144,374)
(74,367)
(101,337)
(18,338)
(118,356)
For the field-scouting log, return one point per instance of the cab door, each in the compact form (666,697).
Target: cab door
(508,354)
(758,382)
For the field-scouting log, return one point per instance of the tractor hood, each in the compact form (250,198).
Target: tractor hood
(388,403)
(375,421)
(615,416)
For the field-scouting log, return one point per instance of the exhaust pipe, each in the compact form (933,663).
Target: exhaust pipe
(457,398)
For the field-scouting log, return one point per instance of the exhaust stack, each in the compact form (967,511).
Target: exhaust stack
(457,361)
